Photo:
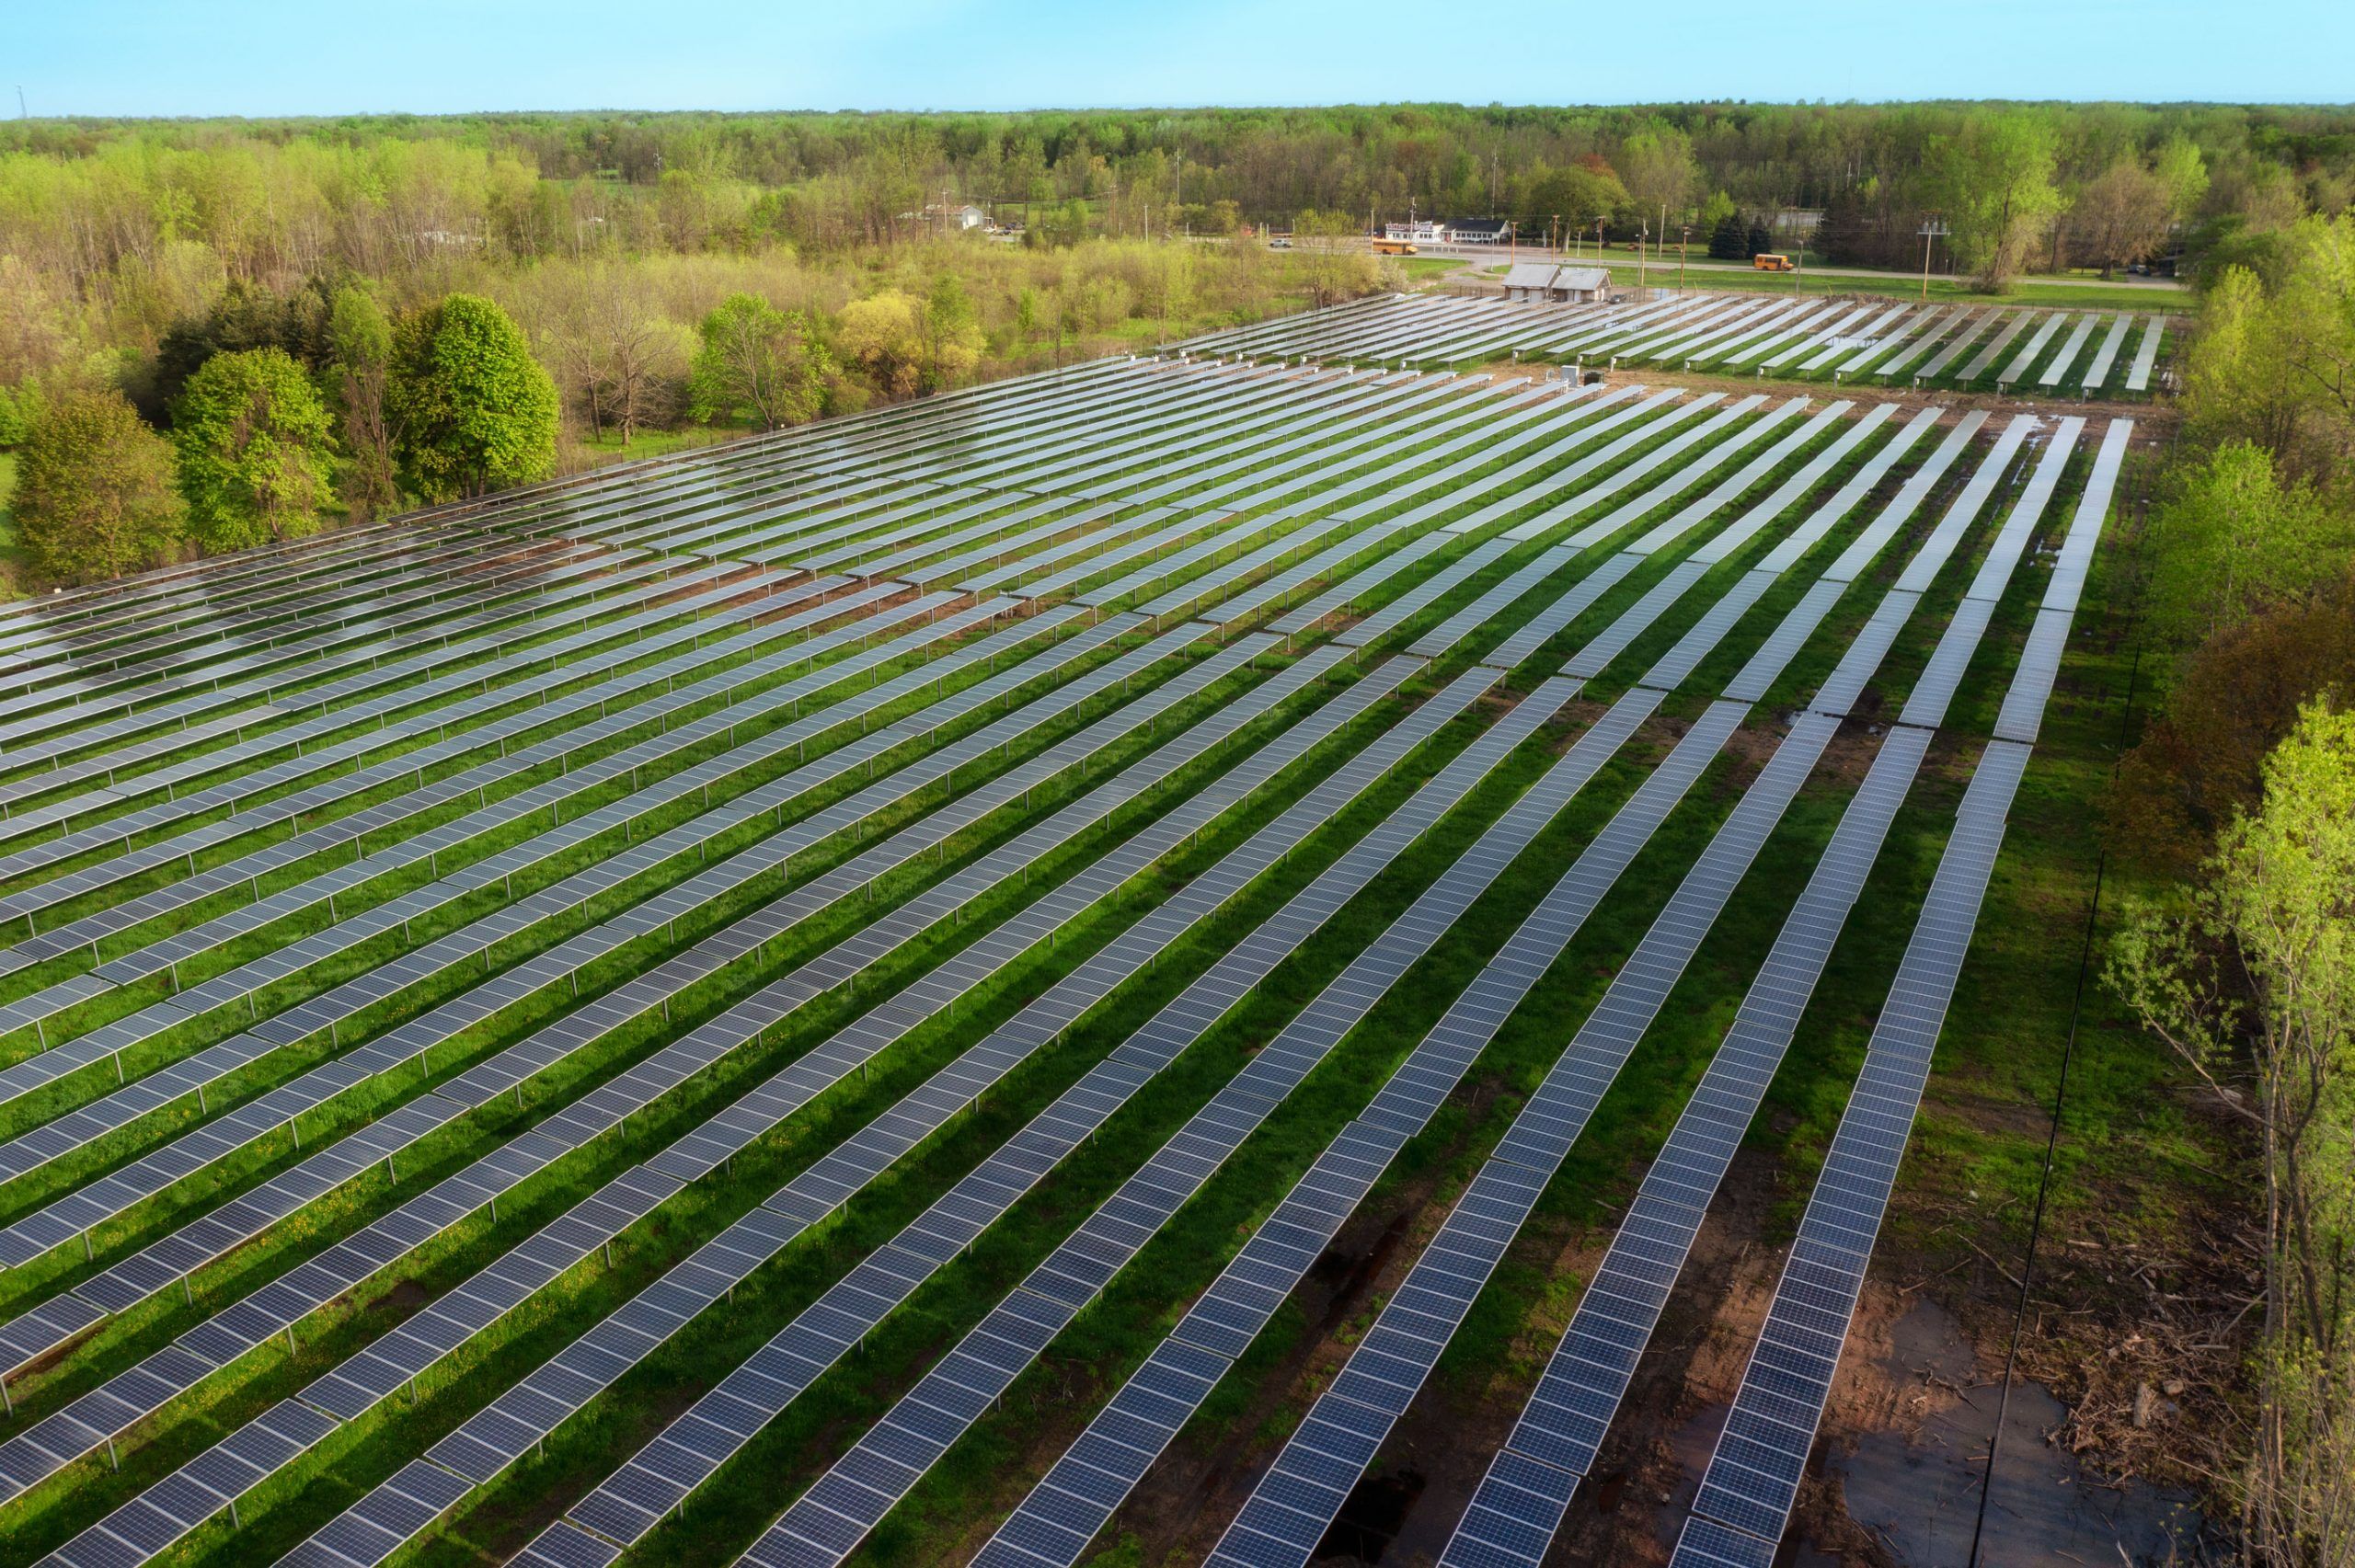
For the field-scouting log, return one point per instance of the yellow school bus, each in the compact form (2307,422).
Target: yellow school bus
(1394,247)
(1770,261)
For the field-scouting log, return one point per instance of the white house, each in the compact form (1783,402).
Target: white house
(963,219)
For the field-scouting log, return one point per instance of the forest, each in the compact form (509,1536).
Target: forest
(639,281)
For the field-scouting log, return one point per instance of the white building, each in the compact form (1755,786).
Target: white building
(1419,230)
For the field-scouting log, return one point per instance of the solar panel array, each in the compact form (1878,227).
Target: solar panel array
(1753,1478)
(576,803)
(1815,335)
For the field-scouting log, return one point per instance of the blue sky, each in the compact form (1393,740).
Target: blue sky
(260,57)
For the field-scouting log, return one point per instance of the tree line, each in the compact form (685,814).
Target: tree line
(376,194)
(247,410)
(2237,809)
(447,401)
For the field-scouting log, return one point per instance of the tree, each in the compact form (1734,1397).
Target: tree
(881,332)
(950,329)
(246,316)
(2233,538)
(360,353)
(757,364)
(1658,168)
(1577,194)
(17,412)
(1994,181)
(253,439)
(94,493)
(1336,269)
(1846,236)
(2275,363)
(2249,979)
(2120,217)
(2230,702)
(2184,172)
(618,357)
(471,410)
(1729,241)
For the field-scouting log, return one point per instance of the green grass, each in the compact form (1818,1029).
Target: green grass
(606,447)
(1423,268)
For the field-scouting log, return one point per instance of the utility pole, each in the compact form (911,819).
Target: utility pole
(1683,238)
(1932,230)
(1643,234)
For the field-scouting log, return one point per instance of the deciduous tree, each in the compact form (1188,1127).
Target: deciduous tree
(471,410)
(360,353)
(253,440)
(881,335)
(2250,981)
(94,497)
(1996,180)
(2120,217)
(757,364)
(2235,539)
(950,329)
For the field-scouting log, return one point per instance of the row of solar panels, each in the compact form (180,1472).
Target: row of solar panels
(71,937)
(506,1070)
(334,1541)
(230,1469)
(229,1057)
(377,677)
(1751,1482)
(271,1124)
(1561,1430)
(37,1450)
(1301,1493)
(1798,336)
(836,1511)
(60,942)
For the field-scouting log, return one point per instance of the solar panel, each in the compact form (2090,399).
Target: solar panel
(561,1385)
(483,1081)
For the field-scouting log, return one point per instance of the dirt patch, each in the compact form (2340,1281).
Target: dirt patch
(1188,1499)
(407,1295)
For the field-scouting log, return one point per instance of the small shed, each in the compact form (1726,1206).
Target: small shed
(1580,285)
(1530,281)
